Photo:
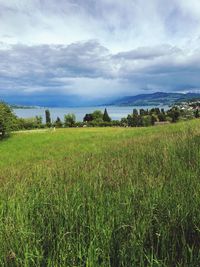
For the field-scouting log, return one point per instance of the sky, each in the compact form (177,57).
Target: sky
(67,52)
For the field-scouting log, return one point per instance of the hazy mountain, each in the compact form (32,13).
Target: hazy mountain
(154,99)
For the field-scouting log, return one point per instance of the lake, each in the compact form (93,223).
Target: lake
(115,112)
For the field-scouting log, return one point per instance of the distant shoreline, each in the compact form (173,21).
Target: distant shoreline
(23,107)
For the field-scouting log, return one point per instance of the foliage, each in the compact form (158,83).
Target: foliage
(116,123)
(174,113)
(147,121)
(7,120)
(79,124)
(58,123)
(48,118)
(97,116)
(106,116)
(162,116)
(69,120)
(88,117)
(197,113)
(38,120)
(124,122)
(143,112)
(143,118)
(135,111)
(29,123)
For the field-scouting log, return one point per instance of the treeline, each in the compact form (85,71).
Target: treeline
(142,118)
(138,118)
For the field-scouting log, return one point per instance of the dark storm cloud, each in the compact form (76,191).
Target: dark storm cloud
(40,67)
(65,69)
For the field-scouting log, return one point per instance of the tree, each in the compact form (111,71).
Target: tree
(157,111)
(69,120)
(124,122)
(135,111)
(29,123)
(38,120)
(7,120)
(140,121)
(130,121)
(147,120)
(88,117)
(97,115)
(106,116)
(196,113)
(174,113)
(48,118)
(134,120)
(142,112)
(161,117)
(153,119)
(58,123)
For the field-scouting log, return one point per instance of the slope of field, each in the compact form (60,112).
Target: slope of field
(101,197)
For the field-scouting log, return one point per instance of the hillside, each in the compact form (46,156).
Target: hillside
(101,197)
(154,99)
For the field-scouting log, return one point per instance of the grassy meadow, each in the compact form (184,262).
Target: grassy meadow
(108,197)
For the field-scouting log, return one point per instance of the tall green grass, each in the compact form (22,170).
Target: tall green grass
(101,197)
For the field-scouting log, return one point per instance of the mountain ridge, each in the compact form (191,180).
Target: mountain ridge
(154,99)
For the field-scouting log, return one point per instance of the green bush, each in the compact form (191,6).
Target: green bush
(8,120)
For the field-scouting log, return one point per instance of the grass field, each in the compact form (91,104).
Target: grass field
(101,197)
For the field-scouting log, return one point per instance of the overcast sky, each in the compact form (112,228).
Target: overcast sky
(93,49)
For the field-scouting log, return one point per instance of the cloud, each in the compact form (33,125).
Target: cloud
(147,53)
(120,26)
(91,70)
(50,67)
(94,49)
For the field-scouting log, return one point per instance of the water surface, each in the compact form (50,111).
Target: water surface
(115,112)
